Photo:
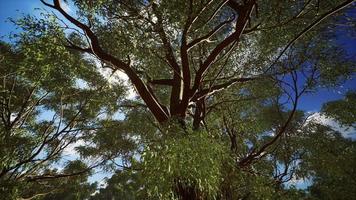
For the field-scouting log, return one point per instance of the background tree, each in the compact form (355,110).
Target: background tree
(45,112)
(122,185)
(342,110)
(72,187)
(332,171)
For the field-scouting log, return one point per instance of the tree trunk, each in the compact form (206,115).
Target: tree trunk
(187,192)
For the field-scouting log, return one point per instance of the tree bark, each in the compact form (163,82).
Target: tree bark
(188,193)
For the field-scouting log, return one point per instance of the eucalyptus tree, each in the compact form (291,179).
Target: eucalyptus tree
(178,29)
(220,79)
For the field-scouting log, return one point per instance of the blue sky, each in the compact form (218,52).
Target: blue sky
(310,102)
(14,8)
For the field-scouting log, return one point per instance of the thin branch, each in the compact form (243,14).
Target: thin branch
(216,88)
(311,26)
(168,82)
(210,34)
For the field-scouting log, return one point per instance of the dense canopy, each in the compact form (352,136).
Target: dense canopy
(188,99)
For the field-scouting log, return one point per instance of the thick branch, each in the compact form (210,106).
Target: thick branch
(240,27)
(176,83)
(155,107)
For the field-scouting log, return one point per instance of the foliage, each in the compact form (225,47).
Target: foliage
(185,160)
(332,169)
(343,110)
(218,86)
(124,184)
(43,113)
